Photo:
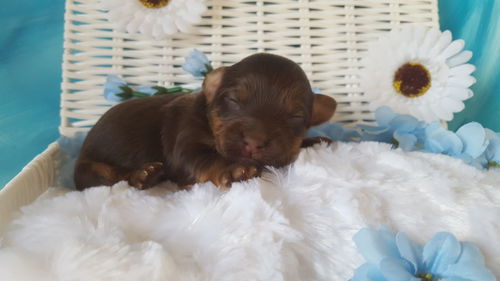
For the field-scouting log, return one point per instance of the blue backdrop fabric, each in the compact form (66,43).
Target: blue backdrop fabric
(31,37)
(477,22)
(31,40)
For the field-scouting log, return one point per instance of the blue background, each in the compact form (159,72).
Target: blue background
(31,40)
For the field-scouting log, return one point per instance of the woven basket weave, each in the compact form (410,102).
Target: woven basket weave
(326,37)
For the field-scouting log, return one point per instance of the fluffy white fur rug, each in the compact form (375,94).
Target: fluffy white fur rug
(293,224)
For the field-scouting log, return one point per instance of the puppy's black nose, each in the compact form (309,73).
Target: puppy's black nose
(254,144)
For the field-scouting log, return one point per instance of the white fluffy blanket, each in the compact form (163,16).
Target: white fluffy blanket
(294,224)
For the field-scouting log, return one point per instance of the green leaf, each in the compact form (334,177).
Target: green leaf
(208,68)
(126,90)
(160,90)
(140,95)
(174,90)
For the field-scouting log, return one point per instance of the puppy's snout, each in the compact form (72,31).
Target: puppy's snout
(254,144)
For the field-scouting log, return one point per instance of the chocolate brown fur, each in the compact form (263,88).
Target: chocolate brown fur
(250,115)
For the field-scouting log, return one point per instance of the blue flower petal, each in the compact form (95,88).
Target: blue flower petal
(334,131)
(404,123)
(199,56)
(406,141)
(110,95)
(453,279)
(470,265)
(316,90)
(71,146)
(147,90)
(350,135)
(480,162)
(372,129)
(384,115)
(112,88)
(376,245)
(318,131)
(368,272)
(440,140)
(397,270)
(112,79)
(375,133)
(440,252)
(493,149)
(474,138)
(196,63)
(410,251)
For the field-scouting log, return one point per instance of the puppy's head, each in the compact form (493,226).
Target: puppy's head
(260,109)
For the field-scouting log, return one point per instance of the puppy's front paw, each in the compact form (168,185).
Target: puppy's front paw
(148,176)
(307,142)
(238,172)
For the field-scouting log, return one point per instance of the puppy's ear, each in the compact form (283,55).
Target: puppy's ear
(212,83)
(323,109)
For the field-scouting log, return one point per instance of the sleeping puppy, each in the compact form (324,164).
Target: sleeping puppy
(248,116)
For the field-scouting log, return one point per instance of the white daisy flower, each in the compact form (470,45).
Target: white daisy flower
(155,18)
(419,71)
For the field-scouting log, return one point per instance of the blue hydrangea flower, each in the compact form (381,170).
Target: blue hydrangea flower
(473,136)
(492,152)
(475,142)
(71,145)
(404,130)
(69,150)
(112,88)
(439,140)
(197,64)
(393,257)
(335,132)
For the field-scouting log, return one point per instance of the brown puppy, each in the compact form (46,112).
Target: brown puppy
(249,115)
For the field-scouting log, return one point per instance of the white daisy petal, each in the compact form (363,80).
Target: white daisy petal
(433,79)
(453,49)
(134,25)
(458,93)
(460,81)
(169,28)
(185,15)
(453,104)
(134,16)
(461,58)
(443,41)
(182,25)
(462,70)
(157,31)
(424,111)
(441,110)
(429,41)
(196,7)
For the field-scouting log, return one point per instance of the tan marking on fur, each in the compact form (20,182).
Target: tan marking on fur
(217,127)
(212,83)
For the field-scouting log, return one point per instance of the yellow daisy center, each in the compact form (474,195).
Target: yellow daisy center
(154,4)
(412,80)
(426,276)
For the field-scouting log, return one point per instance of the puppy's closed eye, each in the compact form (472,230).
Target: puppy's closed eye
(232,103)
(296,117)
(297,120)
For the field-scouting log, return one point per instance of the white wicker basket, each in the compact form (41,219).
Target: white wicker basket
(326,37)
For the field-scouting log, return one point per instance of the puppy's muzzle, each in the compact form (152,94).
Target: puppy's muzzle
(254,145)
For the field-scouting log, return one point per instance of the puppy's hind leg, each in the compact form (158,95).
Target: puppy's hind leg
(90,173)
(147,176)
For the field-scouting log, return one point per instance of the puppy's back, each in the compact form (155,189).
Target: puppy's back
(128,134)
